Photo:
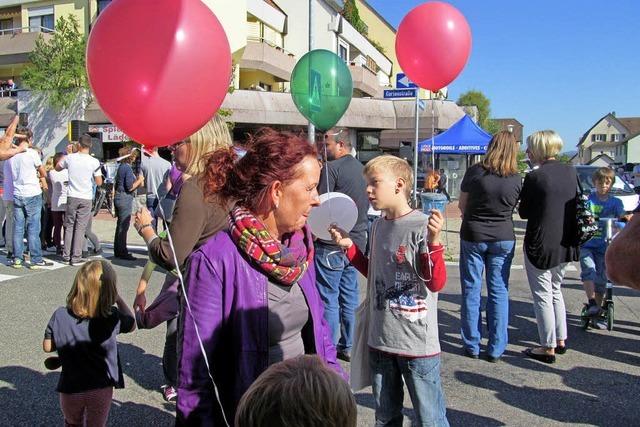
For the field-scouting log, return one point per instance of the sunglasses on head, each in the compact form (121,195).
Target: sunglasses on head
(328,134)
(177,145)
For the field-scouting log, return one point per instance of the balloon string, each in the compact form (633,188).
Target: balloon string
(433,131)
(186,299)
(326,165)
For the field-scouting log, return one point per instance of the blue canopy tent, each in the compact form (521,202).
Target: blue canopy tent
(464,137)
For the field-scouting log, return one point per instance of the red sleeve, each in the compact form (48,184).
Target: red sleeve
(433,269)
(357,258)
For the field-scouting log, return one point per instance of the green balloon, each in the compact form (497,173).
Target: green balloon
(321,87)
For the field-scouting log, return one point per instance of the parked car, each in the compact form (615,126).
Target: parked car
(620,188)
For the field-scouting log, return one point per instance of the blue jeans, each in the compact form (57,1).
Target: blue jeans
(422,377)
(27,210)
(337,282)
(123,202)
(592,267)
(494,259)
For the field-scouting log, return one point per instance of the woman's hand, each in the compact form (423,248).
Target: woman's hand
(142,217)
(140,302)
(340,237)
(434,225)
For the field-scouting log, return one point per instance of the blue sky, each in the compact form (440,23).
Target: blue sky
(558,65)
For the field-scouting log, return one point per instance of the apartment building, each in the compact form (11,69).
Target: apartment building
(267,37)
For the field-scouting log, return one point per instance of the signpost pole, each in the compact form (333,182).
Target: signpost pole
(415,151)
(311,129)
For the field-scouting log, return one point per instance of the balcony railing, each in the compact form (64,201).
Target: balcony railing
(264,55)
(269,43)
(21,30)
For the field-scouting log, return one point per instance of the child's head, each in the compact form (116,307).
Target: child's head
(301,391)
(603,179)
(389,181)
(94,290)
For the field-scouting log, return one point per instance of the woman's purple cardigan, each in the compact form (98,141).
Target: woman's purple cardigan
(228,298)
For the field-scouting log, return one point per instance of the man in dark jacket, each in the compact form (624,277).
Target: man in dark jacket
(336,278)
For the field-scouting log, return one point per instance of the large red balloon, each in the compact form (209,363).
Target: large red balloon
(159,69)
(433,43)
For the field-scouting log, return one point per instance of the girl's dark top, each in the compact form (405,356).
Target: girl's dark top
(488,214)
(547,201)
(124,178)
(88,349)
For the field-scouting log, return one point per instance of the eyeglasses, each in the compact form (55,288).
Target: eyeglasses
(177,145)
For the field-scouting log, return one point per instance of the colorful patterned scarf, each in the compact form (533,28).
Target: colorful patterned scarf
(284,262)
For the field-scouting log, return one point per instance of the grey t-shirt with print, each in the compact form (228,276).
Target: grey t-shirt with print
(403,312)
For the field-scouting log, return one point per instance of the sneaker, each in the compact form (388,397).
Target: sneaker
(10,256)
(170,394)
(127,257)
(599,324)
(95,252)
(79,261)
(344,355)
(592,310)
(38,265)
(16,263)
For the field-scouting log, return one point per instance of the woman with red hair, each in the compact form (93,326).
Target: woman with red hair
(250,290)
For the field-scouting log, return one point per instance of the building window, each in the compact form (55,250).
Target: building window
(102,4)
(599,137)
(265,86)
(6,26)
(616,137)
(41,19)
(343,53)
(369,141)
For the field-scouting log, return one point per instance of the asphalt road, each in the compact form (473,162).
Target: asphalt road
(597,382)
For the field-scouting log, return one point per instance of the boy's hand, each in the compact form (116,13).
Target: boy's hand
(434,226)
(340,237)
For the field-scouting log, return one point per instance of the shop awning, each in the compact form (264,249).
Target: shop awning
(464,137)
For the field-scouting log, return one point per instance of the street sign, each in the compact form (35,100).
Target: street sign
(422,104)
(399,93)
(315,103)
(403,82)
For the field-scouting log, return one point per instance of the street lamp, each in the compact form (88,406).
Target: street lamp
(510,128)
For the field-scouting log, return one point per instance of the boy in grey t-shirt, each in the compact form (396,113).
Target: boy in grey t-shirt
(405,270)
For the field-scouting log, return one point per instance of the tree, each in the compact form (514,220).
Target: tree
(58,65)
(351,14)
(564,158)
(522,162)
(477,98)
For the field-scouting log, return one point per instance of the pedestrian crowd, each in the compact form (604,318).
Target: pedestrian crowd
(7,88)
(258,310)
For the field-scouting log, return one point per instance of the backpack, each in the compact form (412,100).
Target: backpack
(587,226)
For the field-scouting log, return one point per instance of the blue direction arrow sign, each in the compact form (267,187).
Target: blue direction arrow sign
(399,93)
(403,82)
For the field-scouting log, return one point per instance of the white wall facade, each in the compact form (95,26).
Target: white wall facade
(50,127)
(607,126)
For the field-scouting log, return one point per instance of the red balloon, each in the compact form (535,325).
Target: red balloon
(433,43)
(159,69)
